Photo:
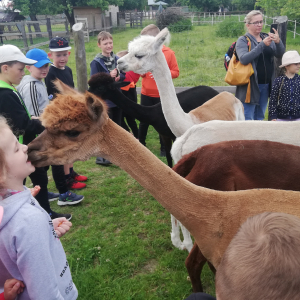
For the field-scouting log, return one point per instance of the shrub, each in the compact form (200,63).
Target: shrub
(181,25)
(175,22)
(230,28)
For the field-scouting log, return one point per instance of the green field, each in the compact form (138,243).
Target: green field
(119,246)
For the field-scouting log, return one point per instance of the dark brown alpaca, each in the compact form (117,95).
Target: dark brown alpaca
(238,165)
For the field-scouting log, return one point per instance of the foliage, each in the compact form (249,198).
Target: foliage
(167,18)
(181,25)
(32,7)
(209,5)
(243,5)
(230,28)
(133,4)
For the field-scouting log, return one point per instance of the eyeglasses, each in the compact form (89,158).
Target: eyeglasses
(257,23)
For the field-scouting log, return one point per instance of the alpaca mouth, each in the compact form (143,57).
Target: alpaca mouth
(37,160)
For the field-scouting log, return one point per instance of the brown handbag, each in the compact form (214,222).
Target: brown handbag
(239,74)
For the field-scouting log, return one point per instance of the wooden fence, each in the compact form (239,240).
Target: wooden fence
(23,30)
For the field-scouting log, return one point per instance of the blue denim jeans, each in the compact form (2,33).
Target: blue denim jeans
(257,112)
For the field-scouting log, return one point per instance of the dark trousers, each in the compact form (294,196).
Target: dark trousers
(131,94)
(143,129)
(115,113)
(40,177)
(59,178)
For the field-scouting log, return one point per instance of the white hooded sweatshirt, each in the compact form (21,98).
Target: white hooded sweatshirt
(31,251)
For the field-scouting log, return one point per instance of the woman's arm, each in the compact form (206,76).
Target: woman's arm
(243,53)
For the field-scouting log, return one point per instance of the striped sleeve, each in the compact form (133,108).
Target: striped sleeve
(34,98)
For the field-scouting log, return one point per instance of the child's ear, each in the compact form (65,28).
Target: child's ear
(69,52)
(28,68)
(4,68)
(50,55)
(99,45)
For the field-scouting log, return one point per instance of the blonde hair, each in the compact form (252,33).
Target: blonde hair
(3,166)
(103,35)
(262,261)
(251,14)
(151,29)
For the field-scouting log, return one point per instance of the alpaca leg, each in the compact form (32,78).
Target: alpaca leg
(175,233)
(187,240)
(194,264)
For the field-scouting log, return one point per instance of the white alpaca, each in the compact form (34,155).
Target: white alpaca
(145,55)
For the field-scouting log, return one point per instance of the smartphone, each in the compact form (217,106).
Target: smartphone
(275,26)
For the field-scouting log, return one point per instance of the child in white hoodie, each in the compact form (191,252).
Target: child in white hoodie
(30,249)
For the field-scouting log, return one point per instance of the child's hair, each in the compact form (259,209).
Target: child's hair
(151,29)
(262,261)
(3,166)
(8,63)
(103,35)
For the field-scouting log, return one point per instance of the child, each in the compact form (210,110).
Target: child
(12,63)
(149,93)
(59,53)
(34,93)
(130,92)
(106,61)
(284,102)
(29,241)
(262,261)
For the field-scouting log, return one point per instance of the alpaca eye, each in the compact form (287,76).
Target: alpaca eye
(72,133)
(139,56)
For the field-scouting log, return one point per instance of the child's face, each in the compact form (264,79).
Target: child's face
(16,157)
(13,74)
(293,68)
(38,73)
(106,46)
(60,58)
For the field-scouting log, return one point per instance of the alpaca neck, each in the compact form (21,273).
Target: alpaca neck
(188,203)
(146,114)
(178,121)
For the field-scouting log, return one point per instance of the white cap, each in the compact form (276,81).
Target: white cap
(290,57)
(12,53)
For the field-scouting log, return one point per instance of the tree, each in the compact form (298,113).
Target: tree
(244,4)
(133,4)
(66,6)
(209,5)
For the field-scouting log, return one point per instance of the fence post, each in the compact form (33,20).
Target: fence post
(48,23)
(224,15)
(204,16)
(24,36)
(282,31)
(80,57)
(30,35)
(239,18)
(67,30)
(212,19)
(295,29)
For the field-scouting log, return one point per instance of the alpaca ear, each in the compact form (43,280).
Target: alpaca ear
(94,105)
(63,88)
(160,39)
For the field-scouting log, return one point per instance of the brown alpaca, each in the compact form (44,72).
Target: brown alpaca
(78,127)
(238,165)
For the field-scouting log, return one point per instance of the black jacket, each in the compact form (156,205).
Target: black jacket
(15,113)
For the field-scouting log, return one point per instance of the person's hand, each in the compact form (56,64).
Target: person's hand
(35,118)
(35,190)
(274,120)
(275,36)
(61,226)
(267,40)
(114,73)
(12,288)
(117,78)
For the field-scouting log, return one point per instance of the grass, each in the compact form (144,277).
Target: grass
(119,246)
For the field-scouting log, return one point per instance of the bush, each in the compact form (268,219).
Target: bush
(174,22)
(181,25)
(230,28)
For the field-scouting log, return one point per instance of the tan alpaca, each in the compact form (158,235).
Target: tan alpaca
(78,127)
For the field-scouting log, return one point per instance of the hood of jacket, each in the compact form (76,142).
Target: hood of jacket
(12,204)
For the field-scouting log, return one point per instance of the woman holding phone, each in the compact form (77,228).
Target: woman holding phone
(263,49)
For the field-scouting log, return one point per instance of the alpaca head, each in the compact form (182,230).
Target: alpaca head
(73,123)
(141,57)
